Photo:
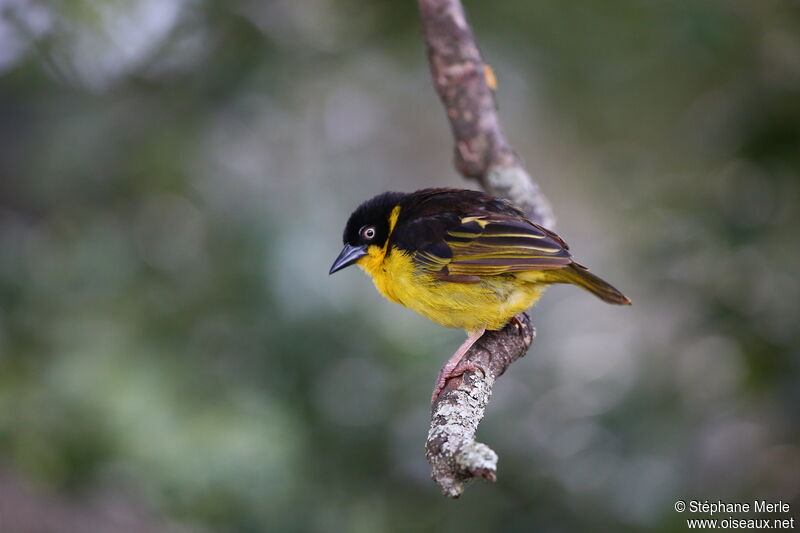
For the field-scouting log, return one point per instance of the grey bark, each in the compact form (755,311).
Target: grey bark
(482,153)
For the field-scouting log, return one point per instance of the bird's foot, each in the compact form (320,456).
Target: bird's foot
(454,367)
(446,374)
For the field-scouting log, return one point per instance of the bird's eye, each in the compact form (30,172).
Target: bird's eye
(368,232)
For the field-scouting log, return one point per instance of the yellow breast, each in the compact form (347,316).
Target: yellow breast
(488,304)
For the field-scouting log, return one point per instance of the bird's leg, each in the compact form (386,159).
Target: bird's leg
(517,322)
(453,367)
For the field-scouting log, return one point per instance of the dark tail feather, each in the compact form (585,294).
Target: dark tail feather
(581,277)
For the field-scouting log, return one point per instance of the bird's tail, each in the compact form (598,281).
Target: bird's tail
(578,275)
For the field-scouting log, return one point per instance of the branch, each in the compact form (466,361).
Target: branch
(460,78)
(482,153)
(454,455)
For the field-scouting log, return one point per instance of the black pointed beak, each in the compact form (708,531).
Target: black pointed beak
(348,256)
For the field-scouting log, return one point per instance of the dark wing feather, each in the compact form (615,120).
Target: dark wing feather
(458,235)
(490,244)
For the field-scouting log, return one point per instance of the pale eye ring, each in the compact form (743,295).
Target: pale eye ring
(368,232)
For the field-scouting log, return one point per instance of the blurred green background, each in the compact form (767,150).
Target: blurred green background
(174,179)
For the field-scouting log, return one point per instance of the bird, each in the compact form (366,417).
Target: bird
(462,259)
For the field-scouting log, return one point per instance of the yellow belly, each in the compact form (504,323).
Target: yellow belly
(488,304)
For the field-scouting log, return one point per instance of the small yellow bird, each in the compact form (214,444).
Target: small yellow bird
(460,258)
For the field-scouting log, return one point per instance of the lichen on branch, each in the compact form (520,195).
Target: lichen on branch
(466,88)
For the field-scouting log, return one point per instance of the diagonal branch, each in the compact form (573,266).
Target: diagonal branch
(454,455)
(465,86)
(460,78)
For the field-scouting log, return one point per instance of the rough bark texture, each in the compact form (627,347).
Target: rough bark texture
(454,455)
(482,153)
(459,76)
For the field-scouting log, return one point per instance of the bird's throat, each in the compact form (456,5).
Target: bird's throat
(372,263)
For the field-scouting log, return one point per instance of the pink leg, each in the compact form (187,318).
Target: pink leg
(452,368)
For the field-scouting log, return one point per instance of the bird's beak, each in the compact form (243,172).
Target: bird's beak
(348,256)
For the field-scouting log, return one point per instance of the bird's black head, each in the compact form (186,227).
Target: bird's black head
(368,225)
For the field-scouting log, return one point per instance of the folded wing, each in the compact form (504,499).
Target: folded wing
(491,244)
